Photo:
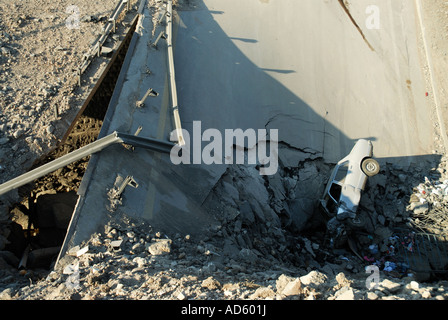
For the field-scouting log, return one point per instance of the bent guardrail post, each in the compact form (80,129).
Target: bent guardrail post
(146,143)
(161,35)
(149,92)
(96,146)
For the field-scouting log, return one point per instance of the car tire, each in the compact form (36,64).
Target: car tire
(357,223)
(370,167)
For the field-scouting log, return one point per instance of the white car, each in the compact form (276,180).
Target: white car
(348,179)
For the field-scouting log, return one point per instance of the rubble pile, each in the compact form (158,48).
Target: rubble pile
(39,89)
(269,244)
(132,261)
(267,214)
(429,204)
(259,249)
(403,203)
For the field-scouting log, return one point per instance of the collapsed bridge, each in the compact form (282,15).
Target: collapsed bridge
(298,67)
(235,70)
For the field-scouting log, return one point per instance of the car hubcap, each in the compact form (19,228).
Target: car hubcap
(371,167)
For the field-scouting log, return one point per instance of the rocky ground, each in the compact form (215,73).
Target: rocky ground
(254,254)
(40,54)
(128,262)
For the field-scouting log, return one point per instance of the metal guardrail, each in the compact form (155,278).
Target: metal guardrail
(95,50)
(96,146)
(168,36)
(175,106)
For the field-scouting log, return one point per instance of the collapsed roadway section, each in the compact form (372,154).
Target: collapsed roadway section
(142,112)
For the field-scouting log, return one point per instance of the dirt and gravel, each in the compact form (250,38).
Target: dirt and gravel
(41,51)
(257,256)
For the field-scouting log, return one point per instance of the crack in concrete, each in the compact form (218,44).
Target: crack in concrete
(303,150)
(324,132)
(285,115)
(347,11)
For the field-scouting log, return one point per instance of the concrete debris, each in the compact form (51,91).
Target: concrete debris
(428,204)
(391,286)
(211,283)
(414,285)
(314,278)
(159,247)
(345,293)
(288,286)
(342,280)
(256,233)
(116,245)
(77,251)
(180,273)
(4,51)
(262,293)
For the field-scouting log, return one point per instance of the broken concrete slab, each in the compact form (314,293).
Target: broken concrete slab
(288,286)
(314,278)
(345,293)
(159,247)
(391,286)
(247,214)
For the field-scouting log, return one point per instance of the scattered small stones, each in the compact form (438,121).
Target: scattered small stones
(97,270)
(39,89)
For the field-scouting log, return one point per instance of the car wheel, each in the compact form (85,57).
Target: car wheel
(356,223)
(370,167)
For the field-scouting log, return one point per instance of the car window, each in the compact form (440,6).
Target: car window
(341,173)
(335,191)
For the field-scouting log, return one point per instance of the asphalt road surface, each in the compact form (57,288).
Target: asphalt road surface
(304,68)
(321,73)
